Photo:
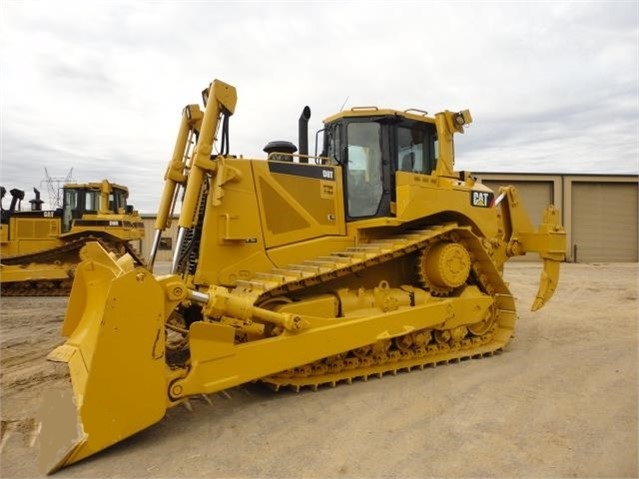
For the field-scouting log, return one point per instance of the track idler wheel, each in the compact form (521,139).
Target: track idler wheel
(483,327)
(443,267)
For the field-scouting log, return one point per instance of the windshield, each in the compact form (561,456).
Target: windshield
(117,201)
(416,148)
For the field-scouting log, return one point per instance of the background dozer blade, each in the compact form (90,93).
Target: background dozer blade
(115,354)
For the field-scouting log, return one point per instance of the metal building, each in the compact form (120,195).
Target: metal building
(165,248)
(599,212)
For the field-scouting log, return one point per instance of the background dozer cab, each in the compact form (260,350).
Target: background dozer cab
(40,249)
(302,270)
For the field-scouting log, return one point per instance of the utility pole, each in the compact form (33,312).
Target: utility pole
(54,187)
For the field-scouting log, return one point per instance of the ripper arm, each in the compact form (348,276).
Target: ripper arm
(549,240)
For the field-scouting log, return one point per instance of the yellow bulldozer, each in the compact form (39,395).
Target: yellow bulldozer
(370,256)
(40,249)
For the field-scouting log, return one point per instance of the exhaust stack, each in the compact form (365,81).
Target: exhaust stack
(303,133)
(17,197)
(36,203)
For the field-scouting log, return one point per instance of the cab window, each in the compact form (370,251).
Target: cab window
(70,204)
(364,169)
(91,201)
(117,201)
(416,148)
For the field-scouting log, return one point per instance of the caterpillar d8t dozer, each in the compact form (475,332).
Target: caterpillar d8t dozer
(40,249)
(298,271)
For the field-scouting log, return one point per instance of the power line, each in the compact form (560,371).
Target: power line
(54,187)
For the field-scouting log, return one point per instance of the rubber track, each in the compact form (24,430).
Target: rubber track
(331,371)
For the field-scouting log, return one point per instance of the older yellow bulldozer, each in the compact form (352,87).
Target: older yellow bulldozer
(40,249)
(370,257)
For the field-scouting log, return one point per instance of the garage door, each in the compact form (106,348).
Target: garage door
(604,222)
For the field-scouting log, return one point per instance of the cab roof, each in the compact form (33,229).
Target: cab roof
(373,111)
(94,186)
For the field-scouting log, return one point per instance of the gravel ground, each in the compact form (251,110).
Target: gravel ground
(561,401)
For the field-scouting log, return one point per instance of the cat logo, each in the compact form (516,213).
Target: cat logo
(481,199)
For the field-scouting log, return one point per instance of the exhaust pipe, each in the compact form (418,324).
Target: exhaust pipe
(303,133)
(36,204)
(17,197)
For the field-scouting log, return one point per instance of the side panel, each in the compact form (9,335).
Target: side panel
(269,205)
(292,209)
(232,244)
(123,227)
(299,201)
(419,196)
(29,235)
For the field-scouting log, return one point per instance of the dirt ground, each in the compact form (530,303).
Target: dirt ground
(561,401)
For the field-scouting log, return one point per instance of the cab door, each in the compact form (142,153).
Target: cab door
(368,169)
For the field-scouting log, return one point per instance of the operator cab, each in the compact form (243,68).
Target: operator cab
(79,200)
(372,145)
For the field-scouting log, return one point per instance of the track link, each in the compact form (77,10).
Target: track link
(63,259)
(483,339)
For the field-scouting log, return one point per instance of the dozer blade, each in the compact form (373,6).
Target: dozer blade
(115,354)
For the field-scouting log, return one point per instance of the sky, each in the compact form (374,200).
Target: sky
(94,90)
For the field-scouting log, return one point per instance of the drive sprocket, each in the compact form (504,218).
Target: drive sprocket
(443,266)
